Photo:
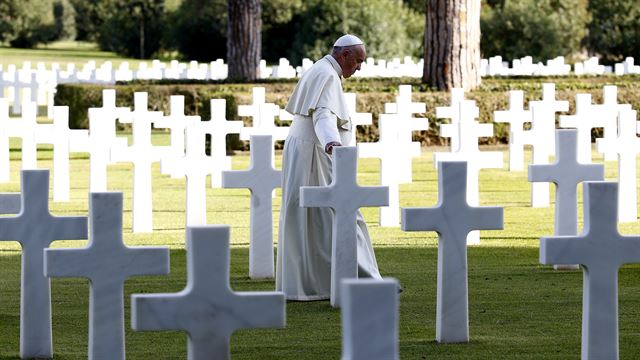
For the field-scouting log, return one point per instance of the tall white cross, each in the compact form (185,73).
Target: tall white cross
(541,136)
(608,115)
(370,313)
(357,118)
(470,130)
(261,178)
(601,250)
(195,165)
(26,129)
(584,120)
(108,114)
(35,229)
(59,134)
(453,218)
(516,116)
(207,309)
(345,197)
(176,122)
(218,127)
(627,147)
(107,263)
(389,150)
(407,124)
(142,154)
(263,115)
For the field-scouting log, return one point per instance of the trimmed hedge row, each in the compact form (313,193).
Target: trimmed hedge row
(372,95)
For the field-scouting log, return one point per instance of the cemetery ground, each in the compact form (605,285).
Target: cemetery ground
(517,307)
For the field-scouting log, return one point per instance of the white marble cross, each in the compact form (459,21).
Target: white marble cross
(608,115)
(195,165)
(142,154)
(263,115)
(35,229)
(261,178)
(107,115)
(345,197)
(542,136)
(453,218)
(357,118)
(406,125)
(107,263)
(627,147)
(5,162)
(218,127)
(370,315)
(26,129)
(516,116)
(470,130)
(389,150)
(452,130)
(176,122)
(566,172)
(601,250)
(207,309)
(60,136)
(584,120)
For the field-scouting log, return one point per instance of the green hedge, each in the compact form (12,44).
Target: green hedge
(372,95)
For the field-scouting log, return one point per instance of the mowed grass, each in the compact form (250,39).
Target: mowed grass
(62,52)
(517,307)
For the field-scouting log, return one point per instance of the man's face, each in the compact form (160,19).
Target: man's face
(353,58)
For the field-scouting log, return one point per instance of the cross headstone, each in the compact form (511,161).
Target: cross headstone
(218,127)
(607,113)
(584,120)
(542,136)
(26,129)
(516,116)
(207,309)
(453,218)
(109,113)
(107,263)
(566,172)
(263,115)
(345,197)
(627,147)
(5,162)
(469,151)
(261,178)
(142,154)
(195,165)
(601,250)
(388,150)
(357,118)
(35,229)
(370,319)
(177,123)
(407,124)
(59,135)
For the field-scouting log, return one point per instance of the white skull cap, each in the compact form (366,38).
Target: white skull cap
(348,40)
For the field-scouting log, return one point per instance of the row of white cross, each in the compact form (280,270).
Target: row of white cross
(207,295)
(495,66)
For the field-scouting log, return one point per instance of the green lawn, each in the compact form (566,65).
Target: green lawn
(517,308)
(62,52)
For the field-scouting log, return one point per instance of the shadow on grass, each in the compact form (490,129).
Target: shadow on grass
(517,309)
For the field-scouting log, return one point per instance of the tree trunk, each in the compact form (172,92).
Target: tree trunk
(452,44)
(244,39)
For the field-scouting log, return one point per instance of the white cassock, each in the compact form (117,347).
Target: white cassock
(303,269)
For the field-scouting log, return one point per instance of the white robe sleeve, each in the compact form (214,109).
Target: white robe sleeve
(325,126)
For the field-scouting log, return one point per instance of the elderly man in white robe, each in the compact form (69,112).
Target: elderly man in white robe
(321,122)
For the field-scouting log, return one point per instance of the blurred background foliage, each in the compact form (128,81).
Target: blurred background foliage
(294,29)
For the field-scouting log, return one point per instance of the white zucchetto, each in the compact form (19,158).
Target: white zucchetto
(348,40)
